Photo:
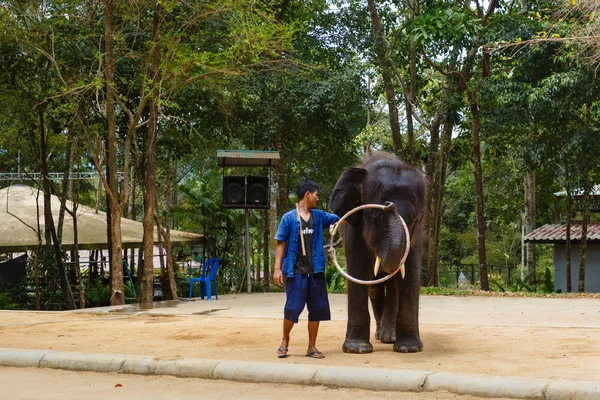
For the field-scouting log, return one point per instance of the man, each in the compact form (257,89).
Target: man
(300,257)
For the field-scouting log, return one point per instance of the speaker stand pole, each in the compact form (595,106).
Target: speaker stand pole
(248,273)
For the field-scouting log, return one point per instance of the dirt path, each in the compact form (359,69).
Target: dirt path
(50,384)
(525,351)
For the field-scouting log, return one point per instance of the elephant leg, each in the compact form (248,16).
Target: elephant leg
(390,311)
(407,325)
(384,299)
(359,319)
(377,296)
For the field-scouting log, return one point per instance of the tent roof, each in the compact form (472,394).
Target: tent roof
(18,224)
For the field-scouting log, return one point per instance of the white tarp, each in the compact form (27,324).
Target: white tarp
(19,224)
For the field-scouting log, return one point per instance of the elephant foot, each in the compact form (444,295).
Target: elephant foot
(385,335)
(357,346)
(408,344)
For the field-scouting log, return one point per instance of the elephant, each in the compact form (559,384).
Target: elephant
(370,233)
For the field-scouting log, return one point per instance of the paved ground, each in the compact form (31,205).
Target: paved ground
(525,337)
(445,310)
(48,384)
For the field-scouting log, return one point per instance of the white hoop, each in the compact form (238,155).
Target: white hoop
(360,281)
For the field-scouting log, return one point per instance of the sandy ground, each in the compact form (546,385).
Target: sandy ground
(533,338)
(16,384)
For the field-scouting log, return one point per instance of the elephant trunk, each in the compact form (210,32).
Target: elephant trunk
(392,249)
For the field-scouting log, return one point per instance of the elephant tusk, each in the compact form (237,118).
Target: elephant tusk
(376,281)
(402,271)
(377,263)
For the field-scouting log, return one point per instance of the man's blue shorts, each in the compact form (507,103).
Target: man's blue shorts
(309,290)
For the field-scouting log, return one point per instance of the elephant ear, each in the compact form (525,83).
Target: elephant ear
(346,194)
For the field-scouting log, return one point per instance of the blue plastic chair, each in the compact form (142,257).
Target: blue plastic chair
(211,280)
(201,279)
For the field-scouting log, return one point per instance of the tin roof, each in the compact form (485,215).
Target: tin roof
(247,158)
(558,233)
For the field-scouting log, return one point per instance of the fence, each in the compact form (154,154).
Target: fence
(448,274)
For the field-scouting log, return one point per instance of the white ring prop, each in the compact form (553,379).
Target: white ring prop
(332,249)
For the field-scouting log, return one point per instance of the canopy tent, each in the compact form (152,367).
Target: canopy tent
(19,224)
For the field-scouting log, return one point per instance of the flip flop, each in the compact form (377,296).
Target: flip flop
(282,353)
(315,354)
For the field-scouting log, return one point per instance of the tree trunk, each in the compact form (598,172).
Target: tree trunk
(434,132)
(258,253)
(266,234)
(148,222)
(568,236)
(430,167)
(168,222)
(169,278)
(282,204)
(584,227)
(131,216)
(140,274)
(76,251)
(381,48)
(36,265)
(65,183)
(52,241)
(438,195)
(530,226)
(116,257)
(99,187)
(273,213)
(150,170)
(412,94)
(114,212)
(476,124)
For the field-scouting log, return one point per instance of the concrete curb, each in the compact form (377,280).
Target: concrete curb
(265,372)
(359,378)
(372,379)
(487,386)
(573,390)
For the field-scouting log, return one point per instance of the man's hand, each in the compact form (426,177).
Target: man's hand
(278,277)
(332,226)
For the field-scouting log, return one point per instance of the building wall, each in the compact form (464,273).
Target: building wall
(592,267)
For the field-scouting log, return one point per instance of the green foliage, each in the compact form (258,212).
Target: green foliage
(97,295)
(496,282)
(445,25)
(336,283)
(444,291)
(520,285)
(6,302)
(548,281)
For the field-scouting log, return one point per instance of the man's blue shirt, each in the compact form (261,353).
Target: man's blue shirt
(289,232)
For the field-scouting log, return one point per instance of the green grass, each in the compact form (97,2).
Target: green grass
(433,291)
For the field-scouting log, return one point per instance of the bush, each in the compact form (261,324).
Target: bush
(496,282)
(336,283)
(97,295)
(6,302)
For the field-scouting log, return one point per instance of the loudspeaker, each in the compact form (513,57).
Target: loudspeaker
(258,191)
(233,190)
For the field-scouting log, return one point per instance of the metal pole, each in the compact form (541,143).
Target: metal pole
(248,277)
